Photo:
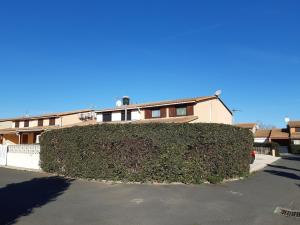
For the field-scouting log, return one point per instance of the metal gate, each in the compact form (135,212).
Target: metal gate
(3,155)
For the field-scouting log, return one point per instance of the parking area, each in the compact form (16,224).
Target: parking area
(37,198)
(261,161)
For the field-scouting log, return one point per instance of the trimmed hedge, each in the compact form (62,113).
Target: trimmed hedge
(295,149)
(188,153)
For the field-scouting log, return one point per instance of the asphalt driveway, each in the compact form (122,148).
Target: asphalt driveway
(35,198)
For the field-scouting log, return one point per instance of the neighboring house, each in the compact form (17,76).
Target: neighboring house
(209,109)
(27,130)
(251,126)
(280,136)
(5,124)
(262,136)
(294,129)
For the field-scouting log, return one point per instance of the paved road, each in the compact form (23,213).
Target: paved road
(35,199)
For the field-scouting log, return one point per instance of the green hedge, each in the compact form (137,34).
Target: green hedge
(188,153)
(295,149)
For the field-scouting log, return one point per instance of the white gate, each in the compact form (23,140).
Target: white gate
(3,155)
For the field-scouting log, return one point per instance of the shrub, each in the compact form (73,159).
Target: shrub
(295,149)
(188,153)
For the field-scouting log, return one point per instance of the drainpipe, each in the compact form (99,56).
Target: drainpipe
(125,113)
(19,135)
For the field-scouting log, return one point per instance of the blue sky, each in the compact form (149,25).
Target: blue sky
(65,55)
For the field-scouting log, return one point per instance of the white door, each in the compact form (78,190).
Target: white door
(3,155)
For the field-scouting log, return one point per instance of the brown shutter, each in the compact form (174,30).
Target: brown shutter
(190,110)
(26,123)
(163,112)
(40,122)
(172,111)
(52,121)
(147,113)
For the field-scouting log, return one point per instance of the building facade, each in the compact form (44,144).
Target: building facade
(193,110)
(27,130)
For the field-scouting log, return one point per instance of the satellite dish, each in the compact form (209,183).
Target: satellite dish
(119,103)
(287,119)
(218,93)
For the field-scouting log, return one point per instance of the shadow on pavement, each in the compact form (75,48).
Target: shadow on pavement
(291,157)
(283,174)
(19,199)
(283,167)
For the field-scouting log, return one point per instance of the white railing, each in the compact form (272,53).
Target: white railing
(26,149)
(22,156)
(3,155)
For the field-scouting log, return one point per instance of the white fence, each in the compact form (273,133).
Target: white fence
(23,156)
(3,155)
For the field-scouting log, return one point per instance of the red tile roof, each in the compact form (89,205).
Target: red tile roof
(162,103)
(262,133)
(246,125)
(294,123)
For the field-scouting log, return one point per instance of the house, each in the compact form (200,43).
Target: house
(280,136)
(251,126)
(294,129)
(27,130)
(209,109)
(262,136)
(5,124)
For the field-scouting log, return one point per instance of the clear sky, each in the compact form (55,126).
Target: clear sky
(59,55)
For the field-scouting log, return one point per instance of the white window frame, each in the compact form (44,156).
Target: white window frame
(153,115)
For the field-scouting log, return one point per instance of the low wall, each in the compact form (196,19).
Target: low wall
(23,156)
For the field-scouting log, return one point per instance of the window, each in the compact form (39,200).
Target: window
(155,113)
(128,115)
(296,142)
(26,123)
(17,124)
(297,129)
(106,117)
(40,122)
(181,111)
(52,122)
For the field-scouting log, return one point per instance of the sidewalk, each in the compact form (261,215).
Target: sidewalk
(261,161)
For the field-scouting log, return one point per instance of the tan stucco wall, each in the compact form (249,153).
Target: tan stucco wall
(69,119)
(293,130)
(212,111)
(6,124)
(33,123)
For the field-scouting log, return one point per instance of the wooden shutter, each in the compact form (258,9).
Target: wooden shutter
(172,111)
(40,122)
(26,123)
(128,115)
(148,114)
(51,121)
(163,112)
(106,117)
(190,110)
